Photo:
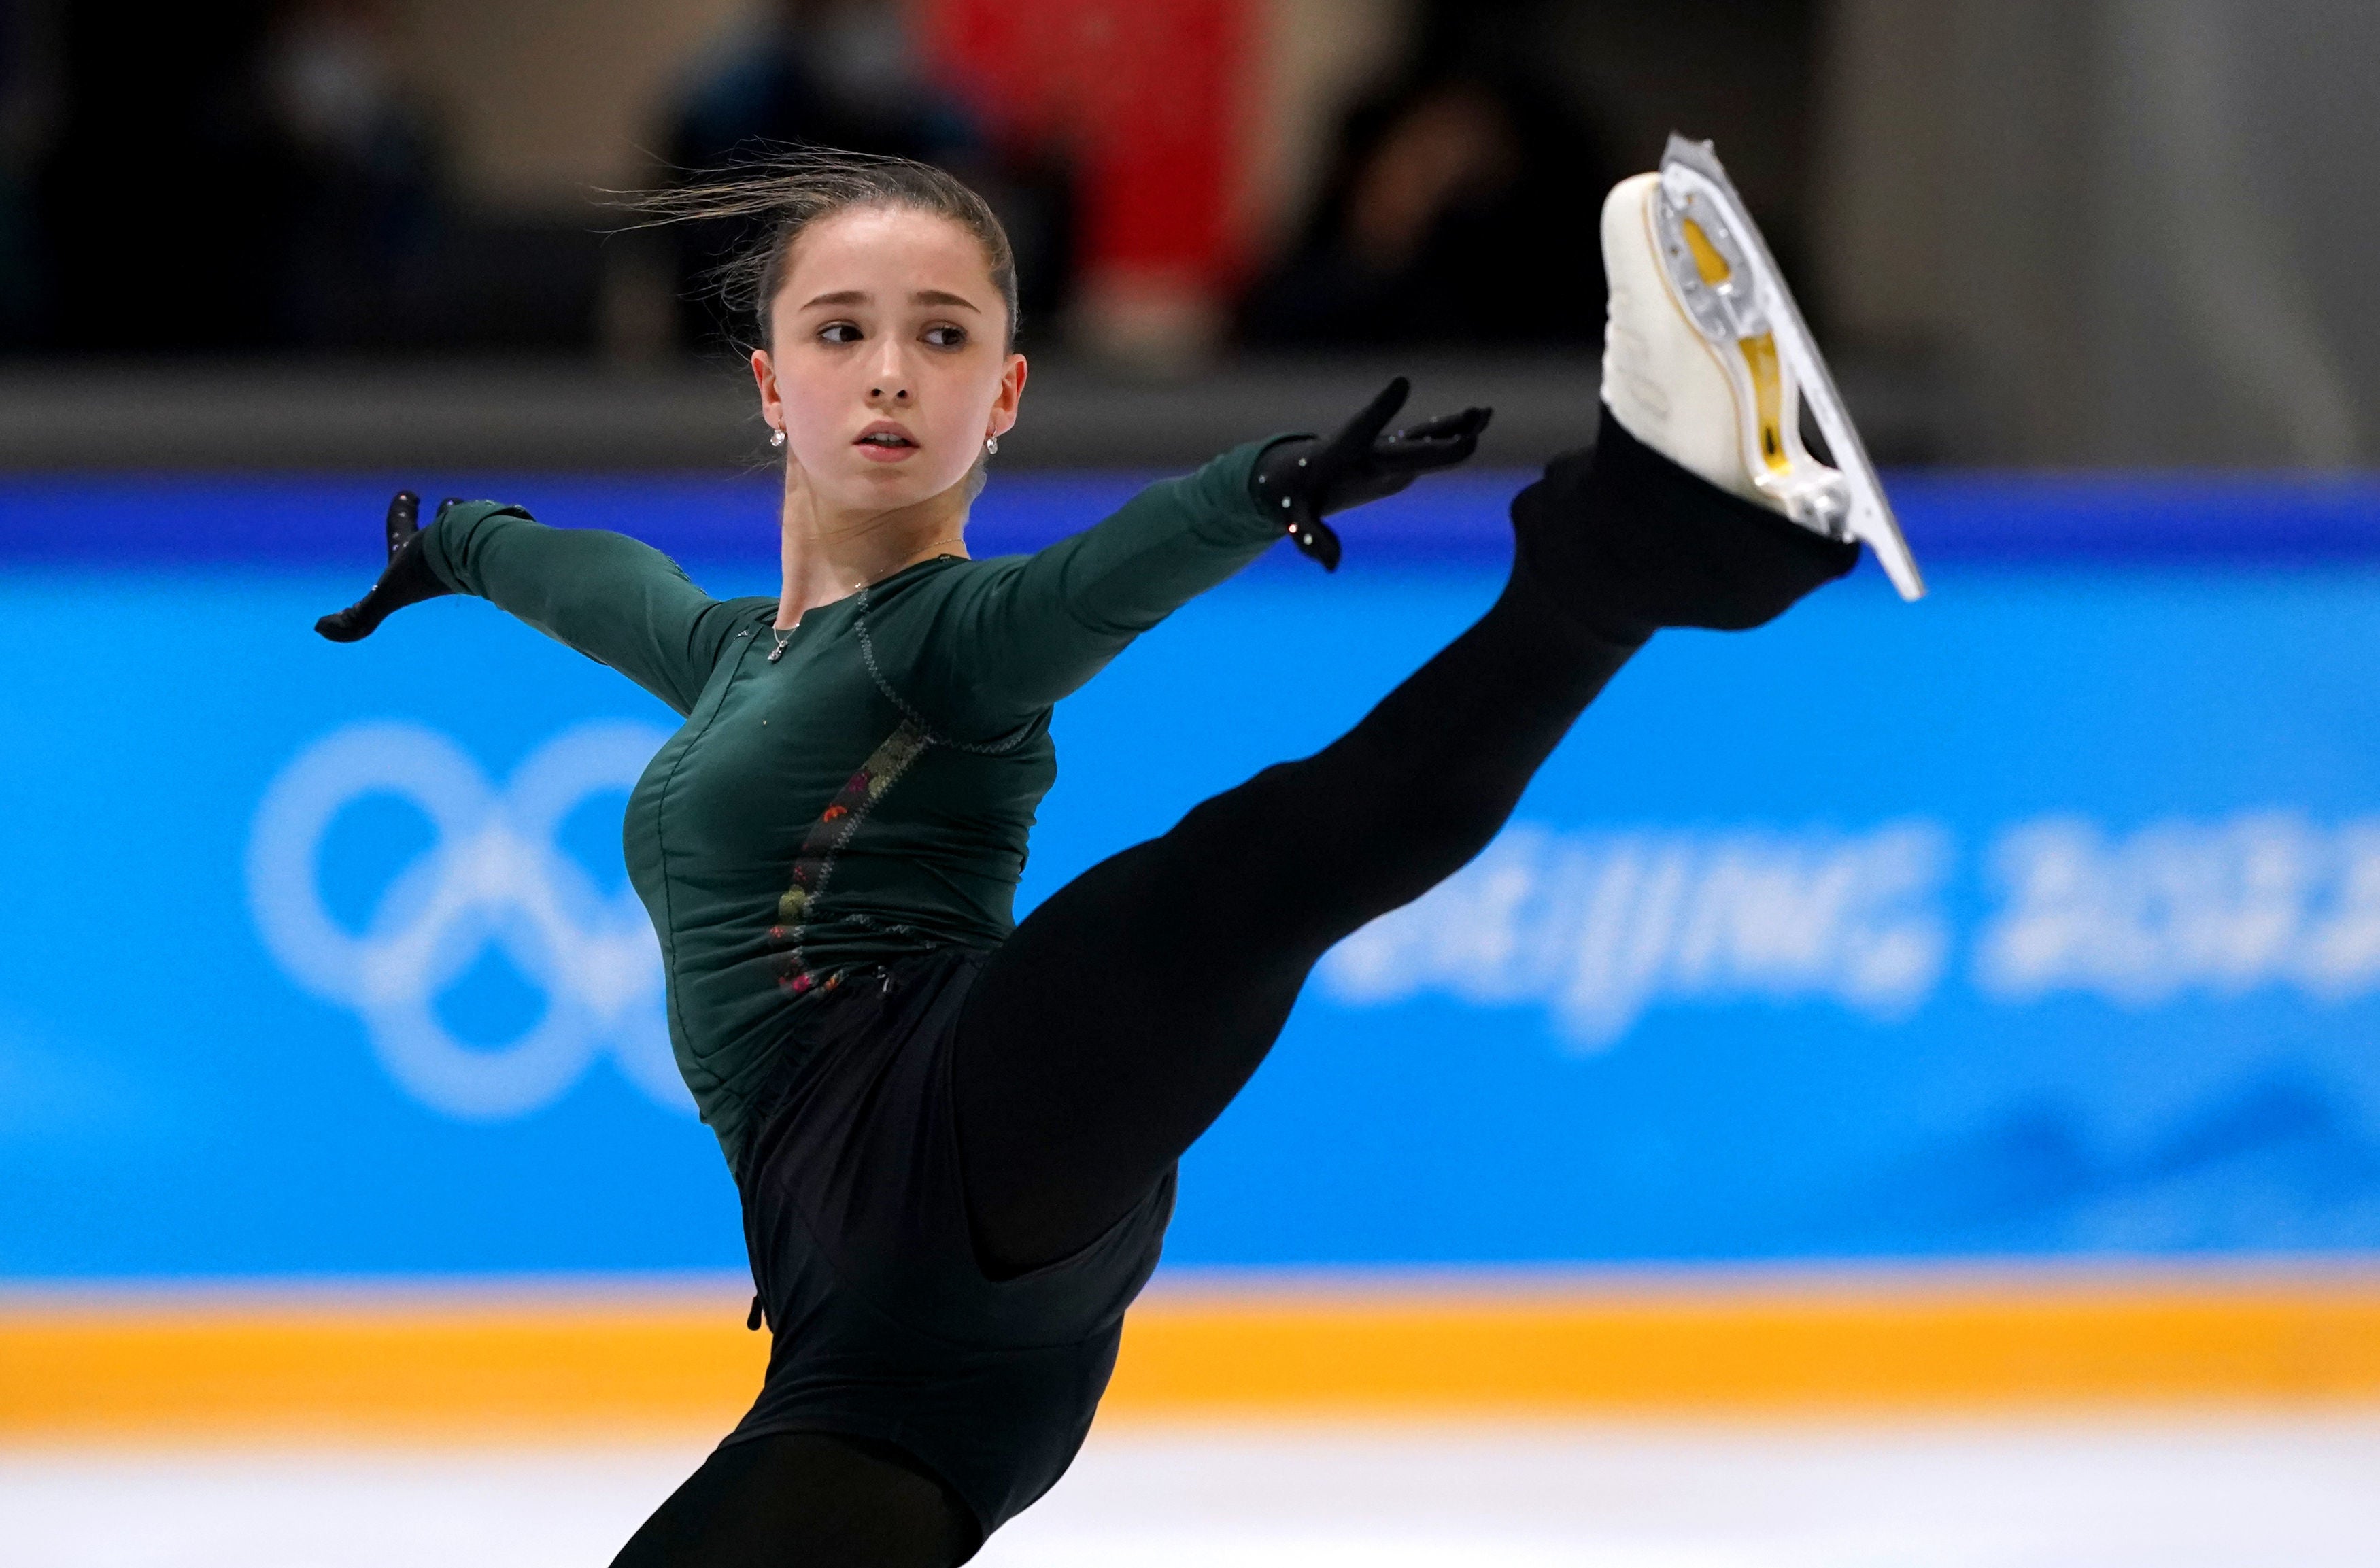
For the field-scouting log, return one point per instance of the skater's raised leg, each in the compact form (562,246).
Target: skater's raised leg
(1129,1009)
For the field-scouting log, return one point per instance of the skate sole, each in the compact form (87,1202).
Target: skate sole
(1715,247)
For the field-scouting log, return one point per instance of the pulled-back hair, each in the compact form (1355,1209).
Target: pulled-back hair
(779,196)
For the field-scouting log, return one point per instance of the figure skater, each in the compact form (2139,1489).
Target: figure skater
(955,1136)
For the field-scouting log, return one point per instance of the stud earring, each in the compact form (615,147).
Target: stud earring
(991,445)
(777,436)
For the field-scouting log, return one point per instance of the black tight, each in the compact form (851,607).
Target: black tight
(1130,1008)
(804,1500)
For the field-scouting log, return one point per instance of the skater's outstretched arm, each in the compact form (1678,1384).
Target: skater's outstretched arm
(619,602)
(1031,629)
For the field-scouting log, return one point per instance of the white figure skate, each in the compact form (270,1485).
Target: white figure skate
(1706,358)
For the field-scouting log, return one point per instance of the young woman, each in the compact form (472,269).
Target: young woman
(955,1136)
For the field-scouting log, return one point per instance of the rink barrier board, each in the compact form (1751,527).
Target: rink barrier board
(300,521)
(475,1366)
(140,1362)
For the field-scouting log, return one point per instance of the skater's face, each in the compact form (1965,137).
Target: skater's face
(887,364)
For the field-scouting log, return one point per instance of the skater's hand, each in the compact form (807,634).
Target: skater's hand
(406,580)
(1305,479)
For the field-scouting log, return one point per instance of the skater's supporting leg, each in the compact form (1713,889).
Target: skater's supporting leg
(803,1498)
(1128,1010)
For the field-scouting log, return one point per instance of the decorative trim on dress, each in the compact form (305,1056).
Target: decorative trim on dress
(814,868)
(885,689)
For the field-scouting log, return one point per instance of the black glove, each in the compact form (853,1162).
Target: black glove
(1303,480)
(406,580)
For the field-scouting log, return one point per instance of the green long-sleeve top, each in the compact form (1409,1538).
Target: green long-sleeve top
(868,795)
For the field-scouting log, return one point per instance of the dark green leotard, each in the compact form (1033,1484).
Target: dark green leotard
(869,794)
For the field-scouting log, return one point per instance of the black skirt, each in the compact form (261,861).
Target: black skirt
(884,1324)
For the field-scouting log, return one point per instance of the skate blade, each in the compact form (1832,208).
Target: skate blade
(1694,187)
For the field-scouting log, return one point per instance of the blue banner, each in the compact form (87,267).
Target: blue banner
(2041,918)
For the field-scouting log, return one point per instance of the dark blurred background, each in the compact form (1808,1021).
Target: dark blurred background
(318,232)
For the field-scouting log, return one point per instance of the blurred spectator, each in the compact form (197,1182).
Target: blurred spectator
(830,73)
(821,73)
(1461,207)
(230,178)
(847,74)
(360,177)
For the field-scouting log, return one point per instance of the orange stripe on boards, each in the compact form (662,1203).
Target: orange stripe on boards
(587,1367)
(1813,1351)
(434,1372)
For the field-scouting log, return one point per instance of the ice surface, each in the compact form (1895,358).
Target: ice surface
(2178,1491)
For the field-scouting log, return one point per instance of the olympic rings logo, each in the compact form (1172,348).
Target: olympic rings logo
(493,877)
